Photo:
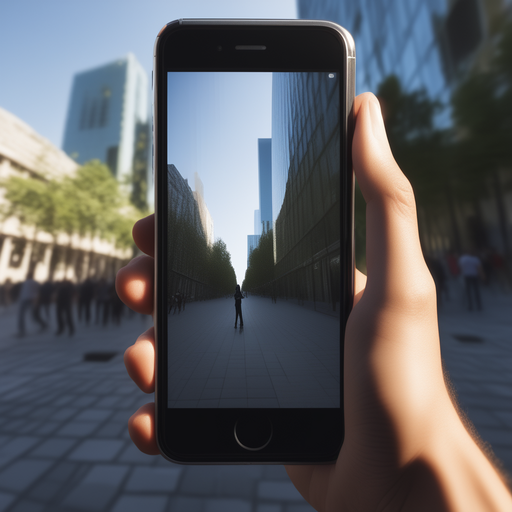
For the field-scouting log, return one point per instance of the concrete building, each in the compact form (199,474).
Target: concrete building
(108,119)
(26,154)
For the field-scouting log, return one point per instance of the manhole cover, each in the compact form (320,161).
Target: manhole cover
(99,357)
(468,338)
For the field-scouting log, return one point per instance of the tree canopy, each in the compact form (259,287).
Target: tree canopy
(89,203)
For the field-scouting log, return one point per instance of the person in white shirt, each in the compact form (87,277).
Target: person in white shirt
(471,269)
(29,295)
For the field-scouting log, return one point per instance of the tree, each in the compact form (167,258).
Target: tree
(87,203)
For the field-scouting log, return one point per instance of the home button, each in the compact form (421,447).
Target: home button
(253,432)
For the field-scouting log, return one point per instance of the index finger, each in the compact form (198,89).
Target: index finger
(144,235)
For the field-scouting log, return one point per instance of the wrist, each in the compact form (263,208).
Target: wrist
(467,479)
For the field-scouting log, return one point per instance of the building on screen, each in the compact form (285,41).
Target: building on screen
(305,188)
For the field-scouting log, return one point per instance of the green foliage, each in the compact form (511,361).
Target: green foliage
(418,147)
(88,203)
(261,263)
(221,274)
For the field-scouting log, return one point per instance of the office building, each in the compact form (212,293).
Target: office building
(305,188)
(108,120)
(433,47)
(265,183)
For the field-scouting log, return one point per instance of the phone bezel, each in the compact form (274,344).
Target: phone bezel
(206,435)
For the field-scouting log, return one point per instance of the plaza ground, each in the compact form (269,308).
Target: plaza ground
(64,444)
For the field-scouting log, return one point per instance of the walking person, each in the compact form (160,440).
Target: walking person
(29,297)
(471,269)
(64,302)
(238,306)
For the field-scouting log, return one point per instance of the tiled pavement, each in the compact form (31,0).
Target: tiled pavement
(64,444)
(285,356)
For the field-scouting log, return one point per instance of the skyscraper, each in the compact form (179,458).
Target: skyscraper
(265,183)
(262,216)
(108,119)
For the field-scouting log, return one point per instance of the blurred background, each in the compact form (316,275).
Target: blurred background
(75,173)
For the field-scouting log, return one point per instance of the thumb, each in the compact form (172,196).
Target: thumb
(393,250)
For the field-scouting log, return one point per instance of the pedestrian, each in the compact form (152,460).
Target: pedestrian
(238,306)
(29,301)
(85,295)
(64,303)
(471,269)
(46,297)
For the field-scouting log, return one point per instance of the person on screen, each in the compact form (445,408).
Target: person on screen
(238,306)
(407,446)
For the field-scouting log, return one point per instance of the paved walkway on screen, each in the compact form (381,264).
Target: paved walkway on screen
(64,445)
(285,356)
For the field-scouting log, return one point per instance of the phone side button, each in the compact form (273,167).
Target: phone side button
(253,433)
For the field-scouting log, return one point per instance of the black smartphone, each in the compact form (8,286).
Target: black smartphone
(253,123)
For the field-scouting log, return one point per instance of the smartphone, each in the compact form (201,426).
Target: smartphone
(253,125)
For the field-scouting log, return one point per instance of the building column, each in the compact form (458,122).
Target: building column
(5,256)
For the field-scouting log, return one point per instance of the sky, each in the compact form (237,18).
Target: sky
(44,43)
(215,121)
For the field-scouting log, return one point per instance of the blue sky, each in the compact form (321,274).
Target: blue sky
(44,43)
(215,121)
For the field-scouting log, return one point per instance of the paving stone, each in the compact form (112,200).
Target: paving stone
(131,454)
(78,428)
(65,413)
(303,507)
(93,415)
(186,504)
(134,503)
(226,505)
(284,491)
(5,500)
(97,489)
(97,450)
(19,475)
(53,448)
(16,447)
(269,508)
(154,479)
(27,506)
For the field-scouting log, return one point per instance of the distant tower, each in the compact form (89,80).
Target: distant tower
(108,120)
(265,183)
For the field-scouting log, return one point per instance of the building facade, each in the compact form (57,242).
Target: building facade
(188,240)
(23,249)
(305,188)
(108,120)
(265,184)
(432,47)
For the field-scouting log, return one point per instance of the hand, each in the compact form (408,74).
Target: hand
(405,446)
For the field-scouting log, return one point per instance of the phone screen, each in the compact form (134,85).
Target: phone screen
(253,199)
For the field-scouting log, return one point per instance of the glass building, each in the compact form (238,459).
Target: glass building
(305,188)
(441,69)
(265,184)
(108,120)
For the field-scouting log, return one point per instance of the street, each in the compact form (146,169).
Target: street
(64,444)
